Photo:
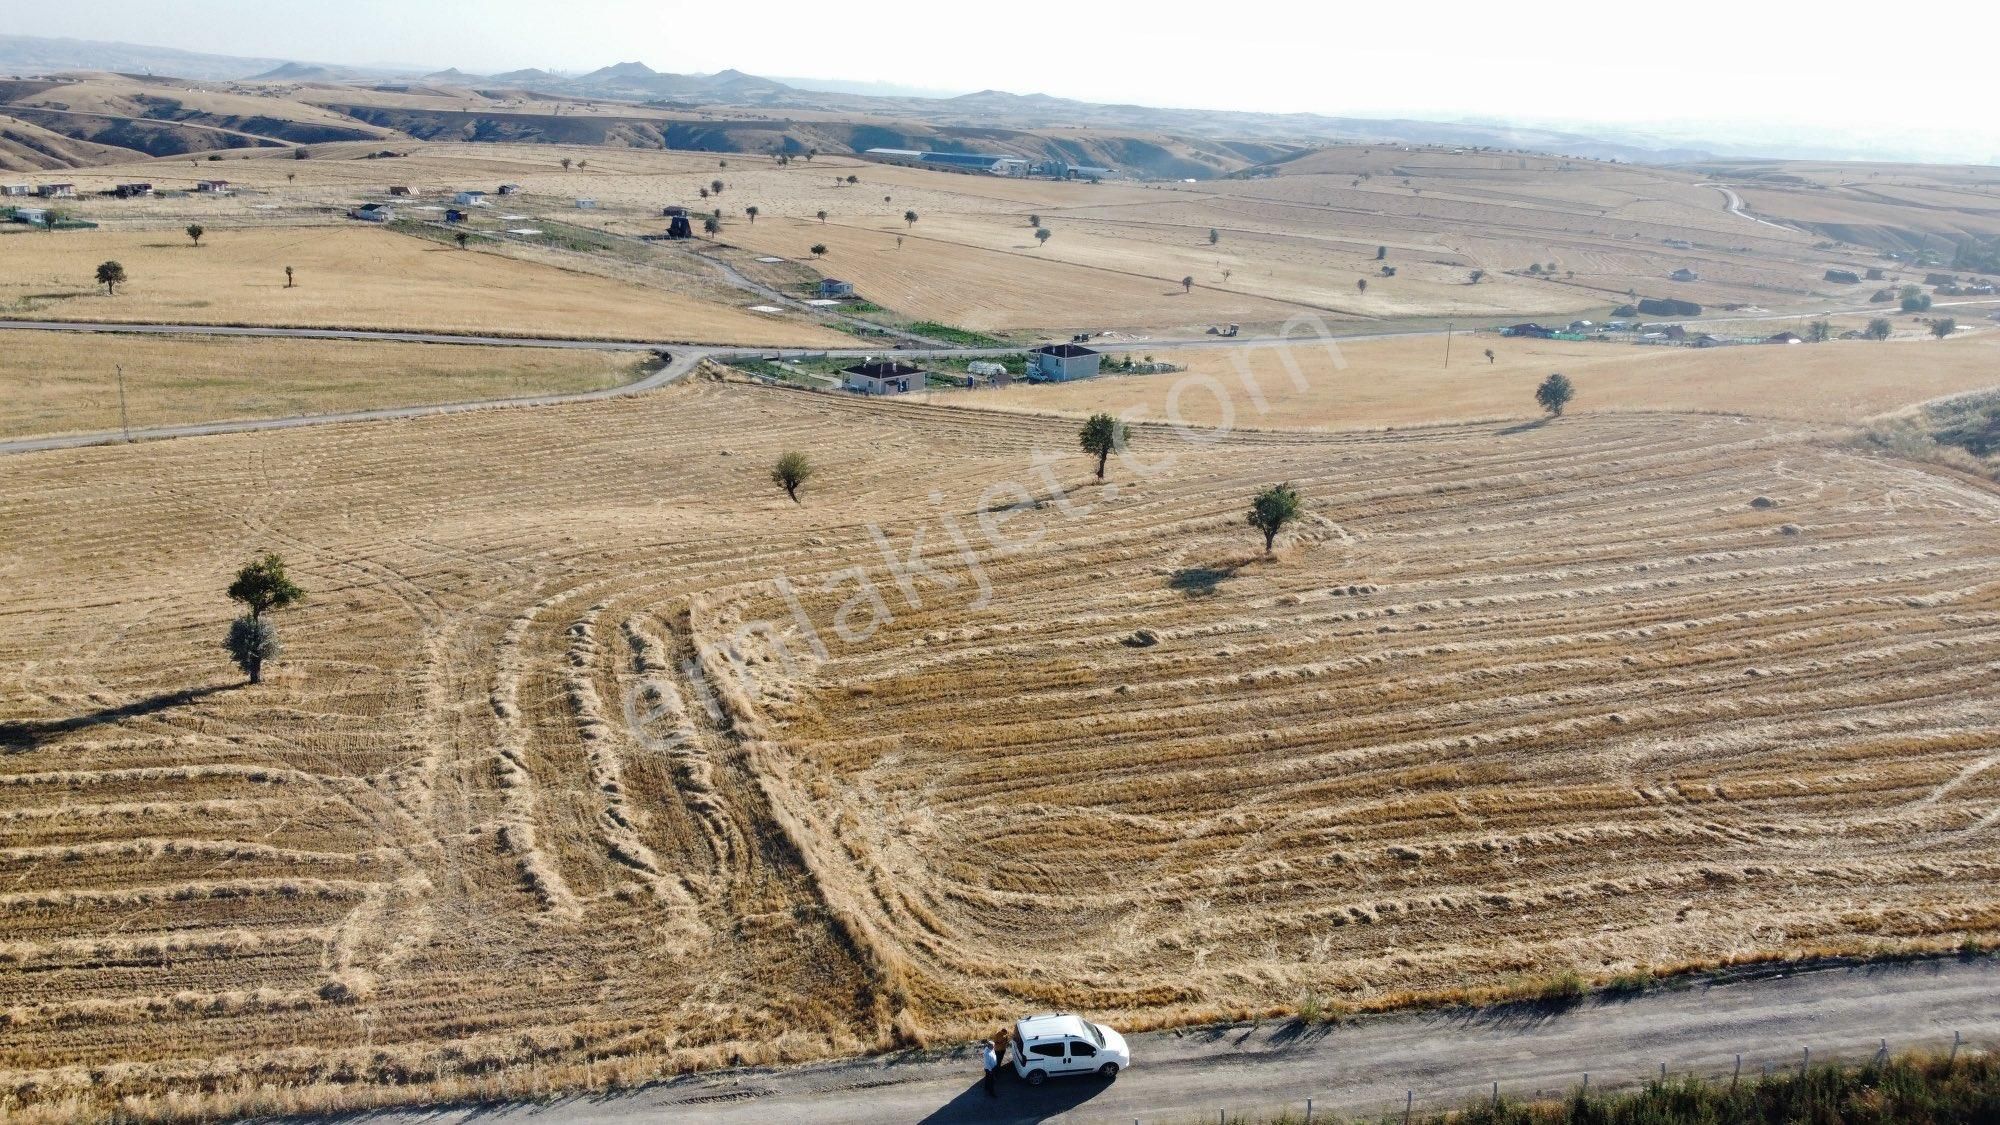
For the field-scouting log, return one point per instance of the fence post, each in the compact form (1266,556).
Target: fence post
(1805,1062)
(1309,1111)
(1882,1055)
(1663,1072)
(1739,1071)
(1954,1050)
(1496,1092)
(1410,1099)
(1586,1083)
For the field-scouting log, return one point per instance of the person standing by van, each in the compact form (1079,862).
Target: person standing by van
(992,1061)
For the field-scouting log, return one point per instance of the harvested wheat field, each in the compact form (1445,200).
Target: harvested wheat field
(1363,383)
(58,383)
(591,757)
(356,277)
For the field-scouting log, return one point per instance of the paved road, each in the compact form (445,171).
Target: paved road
(322,334)
(1735,205)
(1362,1068)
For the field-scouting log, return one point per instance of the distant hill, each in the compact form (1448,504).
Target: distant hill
(27,54)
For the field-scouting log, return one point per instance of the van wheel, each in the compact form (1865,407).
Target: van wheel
(1108,1071)
(1037,1077)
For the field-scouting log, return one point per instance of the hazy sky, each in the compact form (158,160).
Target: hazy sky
(1831,66)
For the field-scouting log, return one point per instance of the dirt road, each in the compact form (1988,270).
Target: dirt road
(1361,1068)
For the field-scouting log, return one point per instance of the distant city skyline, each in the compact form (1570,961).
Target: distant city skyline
(1765,70)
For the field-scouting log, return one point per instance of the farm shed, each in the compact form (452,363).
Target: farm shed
(469,198)
(510,189)
(833,287)
(374,213)
(1685,274)
(33,216)
(212,187)
(586,203)
(1786,338)
(678,224)
(454,215)
(883,377)
(56,191)
(132,191)
(16,189)
(1062,363)
(399,189)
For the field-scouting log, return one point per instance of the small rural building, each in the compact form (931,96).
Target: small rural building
(469,198)
(586,204)
(1875,273)
(1940,278)
(56,191)
(1684,274)
(132,191)
(1667,306)
(883,377)
(454,215)
(834,288)
(510,189)
(1786,338)
(1532,331)
(1705,341)
(212,187)
(33,216)
(399,189)
(16,189)
(1844,277)
(1062,363)
(678,224)
(374,213)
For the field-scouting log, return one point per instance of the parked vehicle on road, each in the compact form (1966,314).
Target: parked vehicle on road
(1063,1043)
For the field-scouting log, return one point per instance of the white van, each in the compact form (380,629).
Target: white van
(1064,1043)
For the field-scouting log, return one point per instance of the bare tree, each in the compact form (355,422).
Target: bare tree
(288,277)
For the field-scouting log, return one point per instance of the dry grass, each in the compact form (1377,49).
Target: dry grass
(54,382)
(1510,704)
(354,277)
(1403,382)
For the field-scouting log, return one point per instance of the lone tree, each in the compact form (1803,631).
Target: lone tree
(752,212)
(567,163)
(1489,355)
(854,179)
(1187,284)
(822,216)
(1943,327)
(711,226)
(1273,508)
(1102,436)
(909,217)
(1381,252)
(195,231)
(1475,277)
(1819,331)
(111,275)
(288,277)
(1034,220)
(261,587)
(1361,285)
(704,193)
(462,238)
(819,249)
(791,473)
(715,186)
(1555,393)
(1878,328)
(1214,236)
(1041,236)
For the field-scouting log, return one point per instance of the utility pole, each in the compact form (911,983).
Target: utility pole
(124,419)
(1447,344)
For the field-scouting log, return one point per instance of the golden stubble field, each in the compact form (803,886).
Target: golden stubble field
(1396,382)
(592,757)
(56,383)
(355,276)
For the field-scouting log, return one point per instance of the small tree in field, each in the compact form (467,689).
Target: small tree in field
(461,238)
(711,226)
(819,249)
(1878,328)
(1554,394)
(1187,284)
(261,587)
(910,218)
(1381,252)
(791,473)
(715,186)
(1943,327)
(1034,220)
(704,193)
(752,212)
(1489,355)
(1214,236)
(1102,436)
(1042,236)
(110,275)
(1273,508)
(1475,277)
(288,277)
(567,163)
(822,216)
(854,179)
(1361,285)
(195,231)
(1819,332)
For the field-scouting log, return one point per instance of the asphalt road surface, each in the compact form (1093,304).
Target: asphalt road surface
(1446,1059)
